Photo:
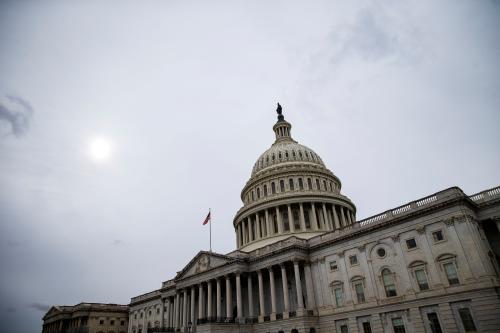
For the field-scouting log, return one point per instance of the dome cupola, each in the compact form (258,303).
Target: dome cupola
(290,192)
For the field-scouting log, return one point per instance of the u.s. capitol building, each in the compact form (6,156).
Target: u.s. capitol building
(304,264)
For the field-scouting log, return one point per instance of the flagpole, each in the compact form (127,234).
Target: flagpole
(210,221)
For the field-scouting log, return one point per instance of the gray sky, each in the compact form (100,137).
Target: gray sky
(400,99)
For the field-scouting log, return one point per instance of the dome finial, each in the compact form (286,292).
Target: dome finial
(279,110)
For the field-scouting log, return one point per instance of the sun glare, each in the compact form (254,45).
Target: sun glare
(100,149)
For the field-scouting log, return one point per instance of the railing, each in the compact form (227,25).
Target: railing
(412,206)
(146,296)
(484,195)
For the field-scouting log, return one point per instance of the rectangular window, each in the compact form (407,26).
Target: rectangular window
(360,292)
(434,322)
(273,188)
(421,279)
(317,184)
(451,273)
(265,190)
(338,296)
(282,185)
(411,243)
(101,322)
(398,325)
(290,181)
(437,236)
(367,328)
(122,323)
(467,320)
(353,260)
(344,329)
(333,265)
(112,322)
(301,184)
(309,184)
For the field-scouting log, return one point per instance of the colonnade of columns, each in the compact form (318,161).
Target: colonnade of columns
(195,305)
(290,218)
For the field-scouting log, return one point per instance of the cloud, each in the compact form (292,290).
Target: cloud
(39,306)
(15,114)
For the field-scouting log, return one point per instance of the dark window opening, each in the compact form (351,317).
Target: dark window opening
(309,184)
(467,320)
(273,188)
(301,184)
(367,327)
(282,185)
(437,236)
(434,322)
(411,243)
(290,181)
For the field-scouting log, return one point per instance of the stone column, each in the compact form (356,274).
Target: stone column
(250,229)
(335,217)
(209,299)
(177,308)
(342,216)
(239,305)
(344,274)
(369,287)
(298,285)
(284,279)
(280,221)
(434,279)
(462,259)
(162,309)
(268,224)
(273,293)
(238,240)
(314,223)
(185,310)
(262,309)
(291,222)
(325,218)
(250,295)
(193,302)
(200,301)
(257,226)
(302,218)
(405,276)
(243,232)
(229,299)
(167,304)
(311,301)
(348,213)
(218,299)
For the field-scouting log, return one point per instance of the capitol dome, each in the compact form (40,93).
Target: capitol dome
(290,192)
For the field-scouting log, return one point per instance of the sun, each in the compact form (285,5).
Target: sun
(100,149)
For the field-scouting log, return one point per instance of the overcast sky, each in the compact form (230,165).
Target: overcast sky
(400,99)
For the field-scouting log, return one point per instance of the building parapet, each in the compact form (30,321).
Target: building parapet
(486,195)
(146,296)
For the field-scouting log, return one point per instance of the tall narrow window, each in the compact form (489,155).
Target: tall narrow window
(275,223)
(389,285)
(367,328)
(284,216)
(339,297)
(451,273)
(434,322)
(307,220)
(273,188)
(258,192)
(309,184)
(421,279)
(398,325)
(344,329)
(290,181)
(265,190)
(467,320)
(301,184)
(282,185)
(253,196)
(360,291)
(324,185)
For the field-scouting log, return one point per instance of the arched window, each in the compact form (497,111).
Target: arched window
(253,196)
(301,184)
(282,185)
(290,181)
(265,190)
(324,185)
(389,285)
(286,153)
(258,192)
(309,184)
(273,188)
(318,187)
